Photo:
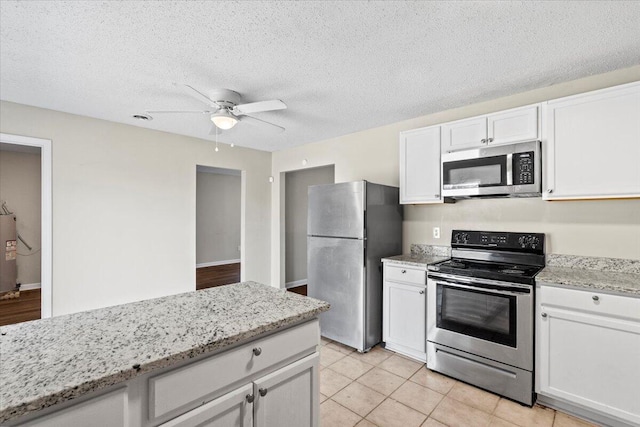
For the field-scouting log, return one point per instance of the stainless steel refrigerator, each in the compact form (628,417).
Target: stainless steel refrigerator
(350,227)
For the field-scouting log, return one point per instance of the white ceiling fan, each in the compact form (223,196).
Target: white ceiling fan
(227,110)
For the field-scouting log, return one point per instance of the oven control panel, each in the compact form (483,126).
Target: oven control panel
(528,242)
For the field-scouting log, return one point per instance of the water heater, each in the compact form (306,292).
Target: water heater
(8,253)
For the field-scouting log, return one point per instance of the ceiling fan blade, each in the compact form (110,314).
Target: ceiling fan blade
(258,107)
(200,96)
(178,111)
(261,123)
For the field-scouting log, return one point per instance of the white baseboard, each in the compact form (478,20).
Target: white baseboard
(295,283)
(214,263)
(29,286)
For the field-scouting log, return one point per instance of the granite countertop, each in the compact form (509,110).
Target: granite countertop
(48,361)
(416,260)
(604,274)
(421,255)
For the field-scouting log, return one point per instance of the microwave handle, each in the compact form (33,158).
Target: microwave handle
(509,169)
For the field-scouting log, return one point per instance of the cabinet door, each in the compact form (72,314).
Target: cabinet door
(517,125)
(230,410)
(590,360)
(591,145)
(404,318)
(463,134)
(289,396)
(420,166)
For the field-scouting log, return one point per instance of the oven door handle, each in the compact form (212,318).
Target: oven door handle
(469,284)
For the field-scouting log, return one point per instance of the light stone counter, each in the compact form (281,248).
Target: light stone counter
(421,255)
(49,361)
(605,274)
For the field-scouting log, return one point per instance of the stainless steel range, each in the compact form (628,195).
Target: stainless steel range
(480,311)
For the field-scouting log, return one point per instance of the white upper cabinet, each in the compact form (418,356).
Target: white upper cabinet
(464,134)
(509,126)
(420,166)
(516,125)
(591,143)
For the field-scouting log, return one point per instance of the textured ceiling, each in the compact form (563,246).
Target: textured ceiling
(340,67)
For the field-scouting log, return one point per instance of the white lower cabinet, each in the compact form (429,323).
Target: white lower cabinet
(109,409)
(232,409)
(404,310)
(588,350)
(287,397)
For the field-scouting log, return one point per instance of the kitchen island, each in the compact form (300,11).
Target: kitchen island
(163,359)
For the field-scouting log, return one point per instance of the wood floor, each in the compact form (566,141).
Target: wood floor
(302,290)
(25,307)
(208,277)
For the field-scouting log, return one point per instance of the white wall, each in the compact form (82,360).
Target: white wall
(217,217)
(296,203)
(124,211)
(20,184)
(595,228)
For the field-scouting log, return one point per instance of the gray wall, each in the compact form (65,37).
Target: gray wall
(20,182)
(217,217)
(296,185)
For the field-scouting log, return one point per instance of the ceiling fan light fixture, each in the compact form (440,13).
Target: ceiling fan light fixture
(224,119)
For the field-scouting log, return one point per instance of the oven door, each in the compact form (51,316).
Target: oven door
(487,318)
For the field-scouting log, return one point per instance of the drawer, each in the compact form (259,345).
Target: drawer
(110,409)
(589,300)
(190,386)
(405,274)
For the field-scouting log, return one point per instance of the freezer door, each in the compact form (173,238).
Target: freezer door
(337,210)
(335,271)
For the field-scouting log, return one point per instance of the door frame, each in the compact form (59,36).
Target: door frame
(46,217)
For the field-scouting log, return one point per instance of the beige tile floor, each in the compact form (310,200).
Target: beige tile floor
(381,388)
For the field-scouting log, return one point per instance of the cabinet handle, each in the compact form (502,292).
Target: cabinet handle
(403,271)
(595,298)
(490,140)
(437,196)
(550,191)
(544,315)
(421,292)
(263,392)
(257,351)
(250,398)
(483,140)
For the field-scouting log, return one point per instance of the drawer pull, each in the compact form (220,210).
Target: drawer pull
(421,292)
(595,298)
(257,351)
(250,398)
(544,315)
(263,392)
(403,271)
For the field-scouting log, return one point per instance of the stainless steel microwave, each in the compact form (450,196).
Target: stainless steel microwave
(511,170)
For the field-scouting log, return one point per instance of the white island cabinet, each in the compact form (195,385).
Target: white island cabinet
(587,353)
(404,310)
(232,356)
(591,144)
(420,166)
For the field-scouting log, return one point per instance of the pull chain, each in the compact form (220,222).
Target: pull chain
(216,138)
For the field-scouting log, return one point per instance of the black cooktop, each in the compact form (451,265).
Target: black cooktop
(515,273)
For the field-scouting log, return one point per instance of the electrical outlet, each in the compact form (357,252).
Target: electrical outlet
(436,232)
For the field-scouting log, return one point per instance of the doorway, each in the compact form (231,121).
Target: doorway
(296,187)
(218,226)
(25,193)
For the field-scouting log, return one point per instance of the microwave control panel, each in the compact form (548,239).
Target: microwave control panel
(523,168)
